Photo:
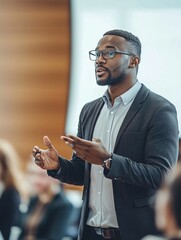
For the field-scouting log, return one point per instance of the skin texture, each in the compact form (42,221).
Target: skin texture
(119,73)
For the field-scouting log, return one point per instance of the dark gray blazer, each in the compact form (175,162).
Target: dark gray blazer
(146,148)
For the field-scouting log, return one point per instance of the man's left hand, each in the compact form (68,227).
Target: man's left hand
(91,151)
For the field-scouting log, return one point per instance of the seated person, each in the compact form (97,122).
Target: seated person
(168,208)
(49,211)
(10,189)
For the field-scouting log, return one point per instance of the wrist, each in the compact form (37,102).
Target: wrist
(56,165)
(107,162)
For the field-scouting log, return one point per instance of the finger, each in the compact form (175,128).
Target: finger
(35,151)
(40,163)
(47,142)
(67,139)
(96,140)
(37,160)
(79,150)
(81,154)
(38,156)
(69,144)
(36,148)
(78,140)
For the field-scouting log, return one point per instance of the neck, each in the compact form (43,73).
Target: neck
(48,194)
(119,89)
(45,198)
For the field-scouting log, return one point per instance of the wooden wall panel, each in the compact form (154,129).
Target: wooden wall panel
(34,72)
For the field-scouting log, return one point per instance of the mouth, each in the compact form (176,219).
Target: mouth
(100,71)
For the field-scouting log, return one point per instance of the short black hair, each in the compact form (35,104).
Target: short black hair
(175,201)
(132,39)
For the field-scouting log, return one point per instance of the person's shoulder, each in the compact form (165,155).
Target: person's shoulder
(60,200)
(10,192)
(89,107)
(93,103)
(10,195)
(156,99)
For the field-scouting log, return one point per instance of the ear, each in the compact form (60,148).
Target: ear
(134,62)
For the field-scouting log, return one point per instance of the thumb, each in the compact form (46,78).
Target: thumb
(47,142)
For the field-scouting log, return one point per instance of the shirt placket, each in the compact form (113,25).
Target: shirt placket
(108,140)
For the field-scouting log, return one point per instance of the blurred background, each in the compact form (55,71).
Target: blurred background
(156,23)
(34,72)
(46,76)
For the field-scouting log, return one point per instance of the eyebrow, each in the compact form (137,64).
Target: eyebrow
(107,47)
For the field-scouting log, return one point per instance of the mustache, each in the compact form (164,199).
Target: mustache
(100,66)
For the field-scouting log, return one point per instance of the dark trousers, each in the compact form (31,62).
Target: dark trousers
(90,234)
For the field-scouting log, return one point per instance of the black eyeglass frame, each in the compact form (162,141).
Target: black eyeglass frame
(107,51)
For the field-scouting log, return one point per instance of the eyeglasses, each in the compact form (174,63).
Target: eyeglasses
(106,54)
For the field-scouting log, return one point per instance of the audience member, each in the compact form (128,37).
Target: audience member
(49,211)
(168,208)
(10,188)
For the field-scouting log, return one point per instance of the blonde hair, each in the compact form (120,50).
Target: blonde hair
(11,176)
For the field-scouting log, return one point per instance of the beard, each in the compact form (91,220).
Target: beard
(110,81)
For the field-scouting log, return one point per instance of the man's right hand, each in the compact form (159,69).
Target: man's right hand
(46,159)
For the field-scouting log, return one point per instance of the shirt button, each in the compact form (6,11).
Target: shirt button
(99,192)
(112,112)
(100,172)
(99,212)
(108,130)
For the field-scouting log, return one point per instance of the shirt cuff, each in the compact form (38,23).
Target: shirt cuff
(54,173)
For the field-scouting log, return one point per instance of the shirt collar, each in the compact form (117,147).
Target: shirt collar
(126,97)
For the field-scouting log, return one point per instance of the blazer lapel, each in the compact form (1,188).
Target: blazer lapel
(136,105)
(95,114)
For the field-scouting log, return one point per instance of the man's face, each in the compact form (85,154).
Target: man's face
(114,70)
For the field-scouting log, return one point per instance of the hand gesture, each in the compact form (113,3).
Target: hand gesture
(46,159)
(90,151)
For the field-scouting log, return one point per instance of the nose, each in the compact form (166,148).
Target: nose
(100,59)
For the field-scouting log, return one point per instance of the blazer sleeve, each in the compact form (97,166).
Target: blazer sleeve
(160,152)
(72,171)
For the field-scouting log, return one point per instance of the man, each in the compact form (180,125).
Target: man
(127,140)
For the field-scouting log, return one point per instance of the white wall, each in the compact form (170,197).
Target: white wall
(156,23)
